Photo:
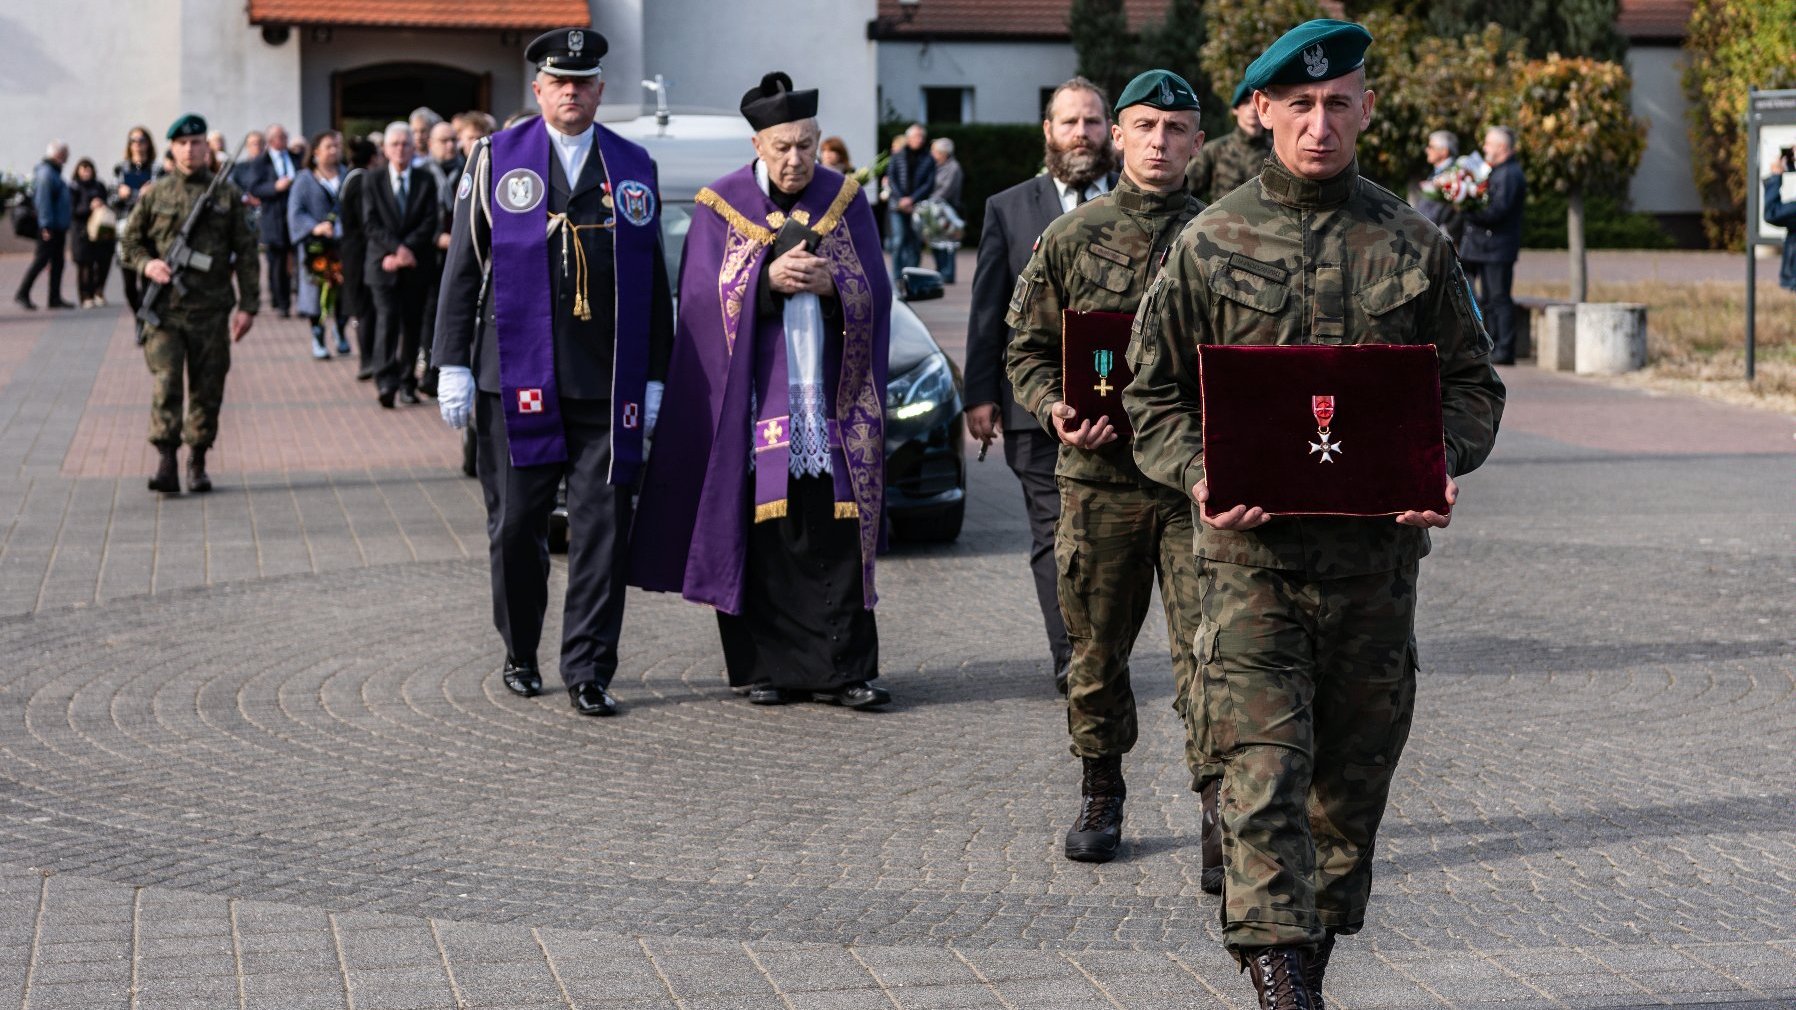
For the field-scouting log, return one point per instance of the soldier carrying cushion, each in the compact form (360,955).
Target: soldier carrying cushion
(196,326)
(1306,650)
(1117,527)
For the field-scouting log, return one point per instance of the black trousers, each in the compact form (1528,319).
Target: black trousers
(280,277)
(518,503)
(47,253)
(1032,454)
(92,266)
(804,625)
(399,327)
(1493,281)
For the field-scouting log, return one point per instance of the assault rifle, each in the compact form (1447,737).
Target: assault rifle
(180,256)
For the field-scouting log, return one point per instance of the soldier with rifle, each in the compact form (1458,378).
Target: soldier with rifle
(186,237)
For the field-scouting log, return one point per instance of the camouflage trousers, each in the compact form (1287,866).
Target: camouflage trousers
(1111,541)
(200,353)
(1307,689)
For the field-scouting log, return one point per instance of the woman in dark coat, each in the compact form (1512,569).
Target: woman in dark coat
(129,178)
(357,303)
(92,256)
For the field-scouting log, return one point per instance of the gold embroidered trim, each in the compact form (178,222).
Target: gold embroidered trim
(771,510)
(847,510)
(837,207)
(800,215)
(741,224)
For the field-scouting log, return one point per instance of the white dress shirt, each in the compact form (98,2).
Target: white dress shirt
(283,163)
(1069,197)
(572,151)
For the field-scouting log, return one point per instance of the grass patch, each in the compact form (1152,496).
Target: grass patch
(1696,337)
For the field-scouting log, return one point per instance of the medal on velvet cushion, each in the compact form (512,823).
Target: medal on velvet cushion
(1323,407)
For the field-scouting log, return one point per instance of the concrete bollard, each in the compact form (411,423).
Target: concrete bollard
(1611,338)
(1556,339)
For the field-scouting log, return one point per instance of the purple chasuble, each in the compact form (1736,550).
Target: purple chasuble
(727,391)
(523,305)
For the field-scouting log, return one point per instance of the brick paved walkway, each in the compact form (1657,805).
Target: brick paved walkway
(253,754)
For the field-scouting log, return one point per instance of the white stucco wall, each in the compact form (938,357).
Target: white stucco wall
(1662,185)
(86,71)
(232,77)
(712,52)
(1006,77)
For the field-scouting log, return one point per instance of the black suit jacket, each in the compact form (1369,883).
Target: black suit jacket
(583,348)
(1493,234)
(353,247)
(258,179)
(1014,219)
(387,226)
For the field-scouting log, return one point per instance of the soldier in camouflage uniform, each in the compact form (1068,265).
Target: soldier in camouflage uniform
(1116,526)
(1227,162)
(197,326)
(1306,648)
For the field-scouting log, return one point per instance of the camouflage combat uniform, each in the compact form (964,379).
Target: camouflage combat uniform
(1306,647)
(194,333)
(1224,164)
(1117,527)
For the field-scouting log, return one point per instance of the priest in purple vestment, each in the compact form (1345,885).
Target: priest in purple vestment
(764,493)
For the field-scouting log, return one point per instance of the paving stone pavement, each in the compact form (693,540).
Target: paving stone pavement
(253,752)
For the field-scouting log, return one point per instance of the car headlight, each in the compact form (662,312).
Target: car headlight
(922,391)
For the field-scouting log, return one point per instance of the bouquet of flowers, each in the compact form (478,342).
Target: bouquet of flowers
(938,225)
(324,267)
(1464,184)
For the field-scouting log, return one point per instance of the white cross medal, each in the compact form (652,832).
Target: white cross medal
(1324,409)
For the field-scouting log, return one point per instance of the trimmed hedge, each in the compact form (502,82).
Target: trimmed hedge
(1607,224)
(994,156)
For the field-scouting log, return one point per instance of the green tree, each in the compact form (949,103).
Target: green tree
(1103,42)
(1578,123)
(1543,27)
(1175,44)
(1236,32)
(1732,47)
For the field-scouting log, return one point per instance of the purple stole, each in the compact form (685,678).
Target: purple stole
(523,306)
(691,530)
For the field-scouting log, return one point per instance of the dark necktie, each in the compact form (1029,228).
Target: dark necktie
(399,191)
(1079,197)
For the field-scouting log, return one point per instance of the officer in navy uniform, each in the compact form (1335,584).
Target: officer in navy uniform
(610,329)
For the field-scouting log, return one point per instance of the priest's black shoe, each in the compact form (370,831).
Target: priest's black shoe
(167,477)
(1097,834)
(765,694)
(861,695)
(1211,882)
(522,679)
(591,698)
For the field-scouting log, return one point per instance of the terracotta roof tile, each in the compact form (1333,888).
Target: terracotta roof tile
(1653,19)
(465,14)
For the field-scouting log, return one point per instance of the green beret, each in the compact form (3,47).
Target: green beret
(1159,89)
(189,125)
(1319,50)
(1242,94)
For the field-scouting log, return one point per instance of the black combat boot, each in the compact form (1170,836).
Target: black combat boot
(1280,978)
(1097,834)
(1211,821)
(197,481)
(1315,965)
(167,478)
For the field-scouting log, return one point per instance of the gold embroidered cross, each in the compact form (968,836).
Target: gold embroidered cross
(771,431)
(1103,387)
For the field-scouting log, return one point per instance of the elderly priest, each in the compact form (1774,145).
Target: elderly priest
(764,492)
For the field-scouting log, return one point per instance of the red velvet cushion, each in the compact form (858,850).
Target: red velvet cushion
(1261,441)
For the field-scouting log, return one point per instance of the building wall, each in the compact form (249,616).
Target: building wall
(1006,77)
(232,77)
(1663,184)
(351,49)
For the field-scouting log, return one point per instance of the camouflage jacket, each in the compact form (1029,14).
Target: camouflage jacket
(223,232)
(1287,260)
(1097,258)
(1221,166)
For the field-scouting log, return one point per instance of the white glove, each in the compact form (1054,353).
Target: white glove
(455,394)
(651,407)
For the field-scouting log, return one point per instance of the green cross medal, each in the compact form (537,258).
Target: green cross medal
(1103,361)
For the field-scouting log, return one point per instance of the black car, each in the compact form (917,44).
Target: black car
(926,477)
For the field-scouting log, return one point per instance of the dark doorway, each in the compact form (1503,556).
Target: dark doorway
(368,98)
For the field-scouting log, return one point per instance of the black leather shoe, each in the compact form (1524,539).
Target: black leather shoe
(409,397)
(167,476)
(1097,833)
(591,698)
(1211,882)
(522,679)
(25,303)
(197,480)
(61,305)
(386,399)
(1060,673)
(363,374)
(855,696)
(766,694)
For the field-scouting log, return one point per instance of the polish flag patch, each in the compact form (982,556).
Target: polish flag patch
(632,415)
(530,401)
